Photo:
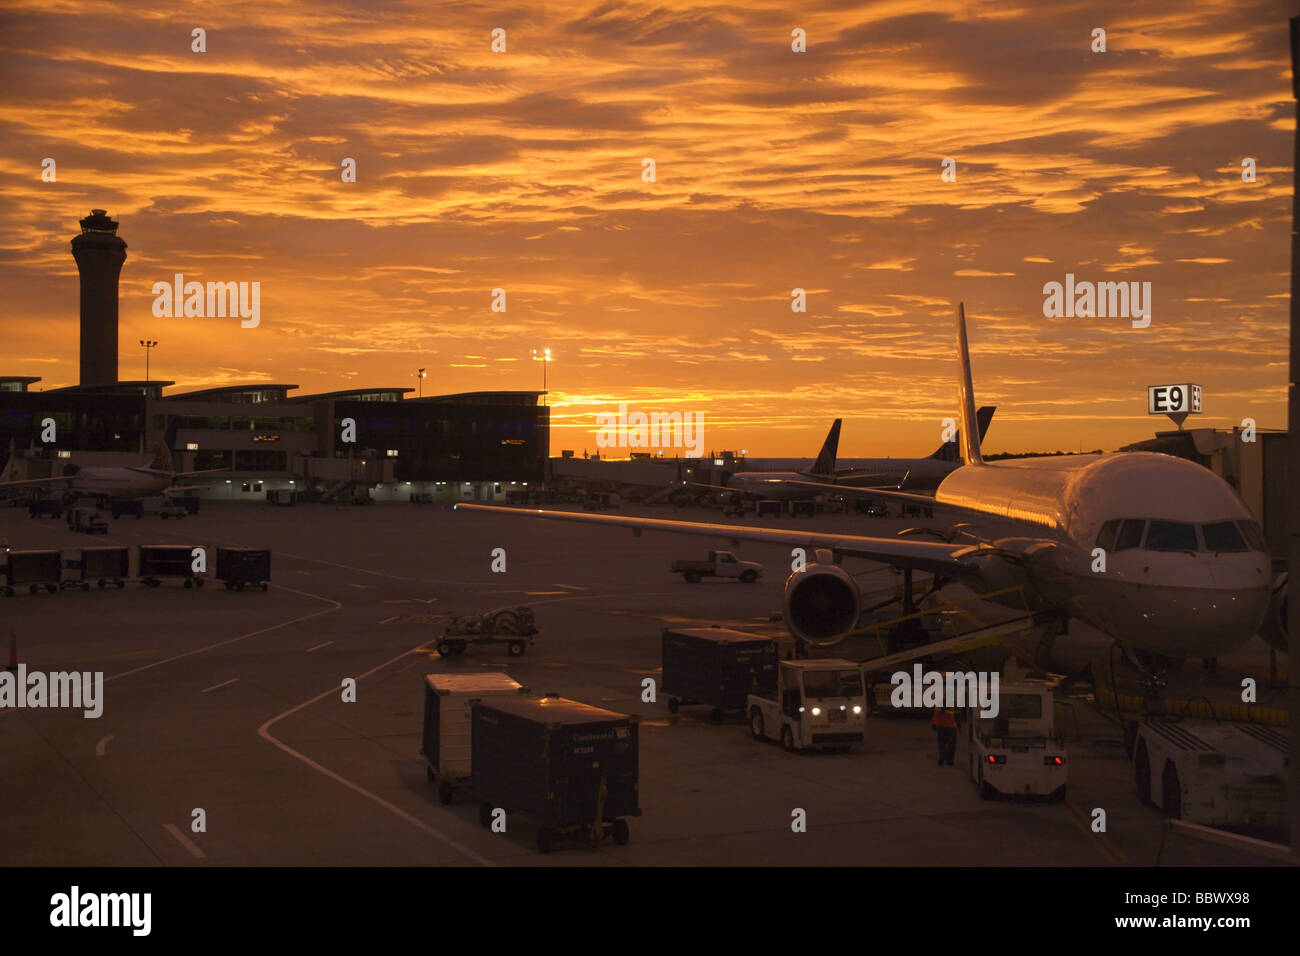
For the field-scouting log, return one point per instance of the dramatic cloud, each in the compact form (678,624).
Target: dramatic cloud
(775,170)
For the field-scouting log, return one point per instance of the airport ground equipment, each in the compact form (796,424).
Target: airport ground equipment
(170,510)
(514,627)
(804,508)
(244,567)
(717,667)
(40,507)
(1212,773)
(189,502)
(286,497)
(87,521)
(769,508)
(158,561)
(126,506)
(1018,751)
(110,564)
(601,501)
(720,564)
(37,570)
(449,701)
(570,767)
(813,705)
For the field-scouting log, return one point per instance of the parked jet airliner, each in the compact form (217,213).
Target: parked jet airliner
(1186,572)
(142,481)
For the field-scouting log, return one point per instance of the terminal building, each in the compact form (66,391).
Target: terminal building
(467,446)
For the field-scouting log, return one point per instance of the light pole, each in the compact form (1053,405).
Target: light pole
(544,357)
(420,377)
(148,344)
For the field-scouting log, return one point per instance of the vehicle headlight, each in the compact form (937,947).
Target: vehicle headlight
(857,708)
(816,711)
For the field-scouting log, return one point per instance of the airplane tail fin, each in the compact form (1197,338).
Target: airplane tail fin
(825,463)
(949,450)
(162,458)
(970,435)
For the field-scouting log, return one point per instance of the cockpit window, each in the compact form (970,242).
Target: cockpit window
(1171,536)
(1254,536)
(1106,536)
(1130,534)
(1223,536)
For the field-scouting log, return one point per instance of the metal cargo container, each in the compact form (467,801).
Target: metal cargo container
(449,701)
(36,569)
(716,666)
(569,766)
(168,561)
(240,566)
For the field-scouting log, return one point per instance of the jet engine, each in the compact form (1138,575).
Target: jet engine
(821,602)
(1274,628)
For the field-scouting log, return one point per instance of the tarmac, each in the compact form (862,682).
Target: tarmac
(231,703)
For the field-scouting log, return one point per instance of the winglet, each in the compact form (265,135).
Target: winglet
(970,432)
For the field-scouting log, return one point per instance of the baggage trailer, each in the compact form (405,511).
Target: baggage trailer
(36,569)
(106,565)
(514,627)
(1214,774)
(126,506)
(240,567)
(568,766)
(449,701)
(158,561)
(717,667)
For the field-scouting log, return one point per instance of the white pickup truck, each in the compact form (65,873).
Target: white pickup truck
(819,704)
(719,564)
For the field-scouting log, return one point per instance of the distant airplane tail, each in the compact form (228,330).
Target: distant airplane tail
(825,463)
(162,458)
(949,450)
(969,437)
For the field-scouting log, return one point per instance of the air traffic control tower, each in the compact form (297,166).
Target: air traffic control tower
(99,254)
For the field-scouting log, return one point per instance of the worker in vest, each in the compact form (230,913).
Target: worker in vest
(944,723)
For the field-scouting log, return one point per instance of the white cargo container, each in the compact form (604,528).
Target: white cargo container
(449,701)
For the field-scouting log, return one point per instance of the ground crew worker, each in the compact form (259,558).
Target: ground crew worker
(944,723)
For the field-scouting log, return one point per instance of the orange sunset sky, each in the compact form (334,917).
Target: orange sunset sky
(774,170)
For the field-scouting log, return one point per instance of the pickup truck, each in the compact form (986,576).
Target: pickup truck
(817,704)
(719,564)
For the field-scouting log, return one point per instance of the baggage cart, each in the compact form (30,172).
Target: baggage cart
(37,570)
(568,766)
(106,565)
(158,561)
(240,567)
(717,667)
(514,627)
(449,701)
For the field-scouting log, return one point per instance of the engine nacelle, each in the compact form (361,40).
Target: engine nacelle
(821,602)
(1274,628)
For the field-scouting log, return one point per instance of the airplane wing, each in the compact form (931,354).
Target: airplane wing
(936,557)
(35,481)
(887,494)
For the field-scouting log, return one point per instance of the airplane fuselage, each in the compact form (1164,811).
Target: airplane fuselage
(119,483)
(1189,578)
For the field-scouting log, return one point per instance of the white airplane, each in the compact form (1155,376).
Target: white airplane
(914,474)
(785,485)
(1186,572)
(141,481)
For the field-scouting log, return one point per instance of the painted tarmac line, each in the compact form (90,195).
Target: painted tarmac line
(387,619)
(1098,840)
(185,841)
(99,747)
(219,686)
(264,732)
(241,637)
(319,646)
